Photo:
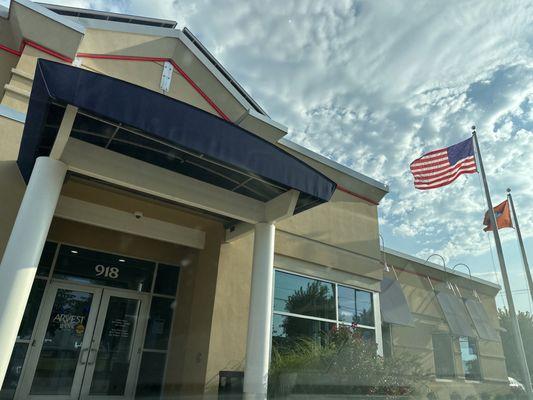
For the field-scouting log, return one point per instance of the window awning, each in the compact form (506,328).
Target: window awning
(152,127)
(394,307)
(456,315)
(481,320)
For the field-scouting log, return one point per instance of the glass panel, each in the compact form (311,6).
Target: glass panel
(158,330)
(62,343)
(151,372)
(93,267)
(443,355)
(355,306)
(47,258)
(299,295)
(470,358)
(32,308)
(166,281)
(288,330)
(115,350)
(14,370)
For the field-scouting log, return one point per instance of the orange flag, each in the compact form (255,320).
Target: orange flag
(503,217)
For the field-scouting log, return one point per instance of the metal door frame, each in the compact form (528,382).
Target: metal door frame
(136,344)
(91,340)
(41,325)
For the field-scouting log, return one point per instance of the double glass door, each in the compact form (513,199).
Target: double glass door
(87,344)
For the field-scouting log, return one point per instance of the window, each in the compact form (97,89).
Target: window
(470,358)
(307,307)
(443,355)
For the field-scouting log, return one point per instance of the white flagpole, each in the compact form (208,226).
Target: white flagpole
(519,345)
(521,243)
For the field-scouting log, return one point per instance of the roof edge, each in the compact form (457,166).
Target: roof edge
(439,267)
(40,9)
(333,164)
(60,7)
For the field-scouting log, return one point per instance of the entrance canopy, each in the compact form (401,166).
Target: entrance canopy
(139,123)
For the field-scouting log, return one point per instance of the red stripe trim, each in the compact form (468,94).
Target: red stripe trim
(10,50)
(37,46)
(200,91)
(119,57)
(160,59)
(47,51)
(343,189)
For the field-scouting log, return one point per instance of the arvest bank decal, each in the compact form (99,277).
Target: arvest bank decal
(70,321)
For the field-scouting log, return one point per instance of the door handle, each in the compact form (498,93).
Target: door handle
(83,351)
(94,359)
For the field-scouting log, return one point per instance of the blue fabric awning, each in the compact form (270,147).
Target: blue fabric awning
(157,125)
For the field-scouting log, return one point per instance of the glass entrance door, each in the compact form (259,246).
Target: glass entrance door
(87,344)
(116,347)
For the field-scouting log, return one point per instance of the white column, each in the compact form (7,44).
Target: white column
(260,314)
(24,248)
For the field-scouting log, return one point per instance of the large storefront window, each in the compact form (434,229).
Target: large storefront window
(310,308)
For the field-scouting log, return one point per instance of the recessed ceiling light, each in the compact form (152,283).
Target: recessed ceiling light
(74,251)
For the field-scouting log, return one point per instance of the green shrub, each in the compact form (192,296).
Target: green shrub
(342,363)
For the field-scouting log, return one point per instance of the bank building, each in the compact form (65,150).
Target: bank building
(155,222)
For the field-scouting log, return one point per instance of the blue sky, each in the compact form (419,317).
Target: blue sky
(374,84)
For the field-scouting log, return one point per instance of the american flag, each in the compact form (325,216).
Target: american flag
(441,167)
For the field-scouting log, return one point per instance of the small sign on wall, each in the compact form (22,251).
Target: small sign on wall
(166,76)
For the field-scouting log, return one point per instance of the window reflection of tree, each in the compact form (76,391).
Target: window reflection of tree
(317,300)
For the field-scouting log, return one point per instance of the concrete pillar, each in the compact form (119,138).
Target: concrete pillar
(260,314)
(24,248)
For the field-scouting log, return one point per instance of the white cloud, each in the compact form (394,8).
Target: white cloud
(374,84)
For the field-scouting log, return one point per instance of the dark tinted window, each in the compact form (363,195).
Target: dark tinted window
(151,372)
(88,266)
(166,281)
(32,307)
(47,258)
(14,370)
(158,330)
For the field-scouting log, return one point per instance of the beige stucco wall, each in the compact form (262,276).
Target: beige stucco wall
(345,222)
(12,185)
(230,315)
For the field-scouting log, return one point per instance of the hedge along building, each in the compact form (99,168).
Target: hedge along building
(146,199)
